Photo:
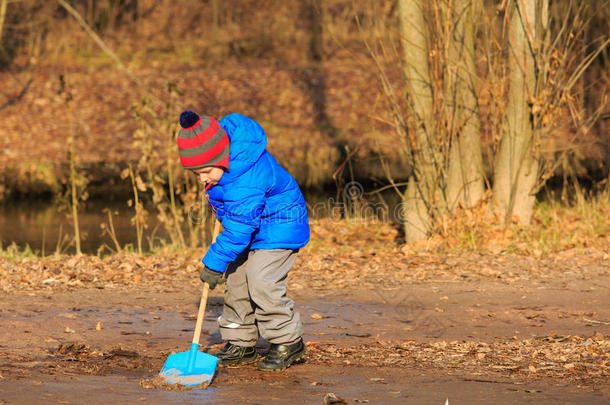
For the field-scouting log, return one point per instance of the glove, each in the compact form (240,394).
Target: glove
(211,277)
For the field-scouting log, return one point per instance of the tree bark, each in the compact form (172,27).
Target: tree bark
(516,168)
(216,14)
(315,80)
(2,18)
(465,173)
(423,183)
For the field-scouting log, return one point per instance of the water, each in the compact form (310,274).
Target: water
(45,228)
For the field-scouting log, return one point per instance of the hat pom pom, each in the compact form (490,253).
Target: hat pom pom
(188,119)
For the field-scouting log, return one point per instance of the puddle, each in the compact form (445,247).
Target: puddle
(102,390)
(301,385)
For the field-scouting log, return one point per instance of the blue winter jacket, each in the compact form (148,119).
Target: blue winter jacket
(257,201)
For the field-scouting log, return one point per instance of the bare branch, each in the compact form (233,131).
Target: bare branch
(97,39)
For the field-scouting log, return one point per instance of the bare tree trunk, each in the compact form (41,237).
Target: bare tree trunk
(313,75)
(596,89)
(423,182)
(216,14)
(414,214)
(465,173)
(2,18)
(516,168)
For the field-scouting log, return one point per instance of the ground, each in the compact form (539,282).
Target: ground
(382,326)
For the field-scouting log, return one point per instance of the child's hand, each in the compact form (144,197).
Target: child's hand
(211,277)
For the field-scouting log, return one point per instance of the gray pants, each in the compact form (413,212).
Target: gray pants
(255,299)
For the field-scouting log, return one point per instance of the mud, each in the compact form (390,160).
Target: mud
(159,382)
(175,376)
(474,342)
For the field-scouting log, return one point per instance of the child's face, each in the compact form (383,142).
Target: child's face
(209,175)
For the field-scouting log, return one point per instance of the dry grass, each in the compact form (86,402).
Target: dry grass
(556,226)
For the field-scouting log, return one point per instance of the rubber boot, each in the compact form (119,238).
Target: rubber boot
(233,355)
(280,357)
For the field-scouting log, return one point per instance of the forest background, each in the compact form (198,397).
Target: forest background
(475,113)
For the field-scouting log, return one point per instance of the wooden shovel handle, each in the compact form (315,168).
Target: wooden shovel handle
(204,294)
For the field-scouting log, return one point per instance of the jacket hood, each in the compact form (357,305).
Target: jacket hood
(247,143)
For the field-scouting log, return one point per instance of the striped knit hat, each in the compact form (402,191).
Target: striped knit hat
(202,142)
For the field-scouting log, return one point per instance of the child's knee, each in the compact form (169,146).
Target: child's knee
(257,285)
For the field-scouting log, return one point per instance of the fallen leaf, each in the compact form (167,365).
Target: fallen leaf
(532,369)
(68,330)
(317,316)
(98,326)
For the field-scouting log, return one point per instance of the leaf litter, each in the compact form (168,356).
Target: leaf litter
(586,360)
(358,256)
(344,258)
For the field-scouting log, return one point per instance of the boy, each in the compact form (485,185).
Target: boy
(265,222)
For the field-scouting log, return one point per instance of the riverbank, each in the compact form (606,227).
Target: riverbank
(363,250)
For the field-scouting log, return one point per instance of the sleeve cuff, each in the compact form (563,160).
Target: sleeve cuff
(214,266)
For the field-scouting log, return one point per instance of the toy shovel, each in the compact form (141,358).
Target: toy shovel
(193,367)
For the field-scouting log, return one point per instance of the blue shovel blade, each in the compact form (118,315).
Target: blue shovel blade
(189,368)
